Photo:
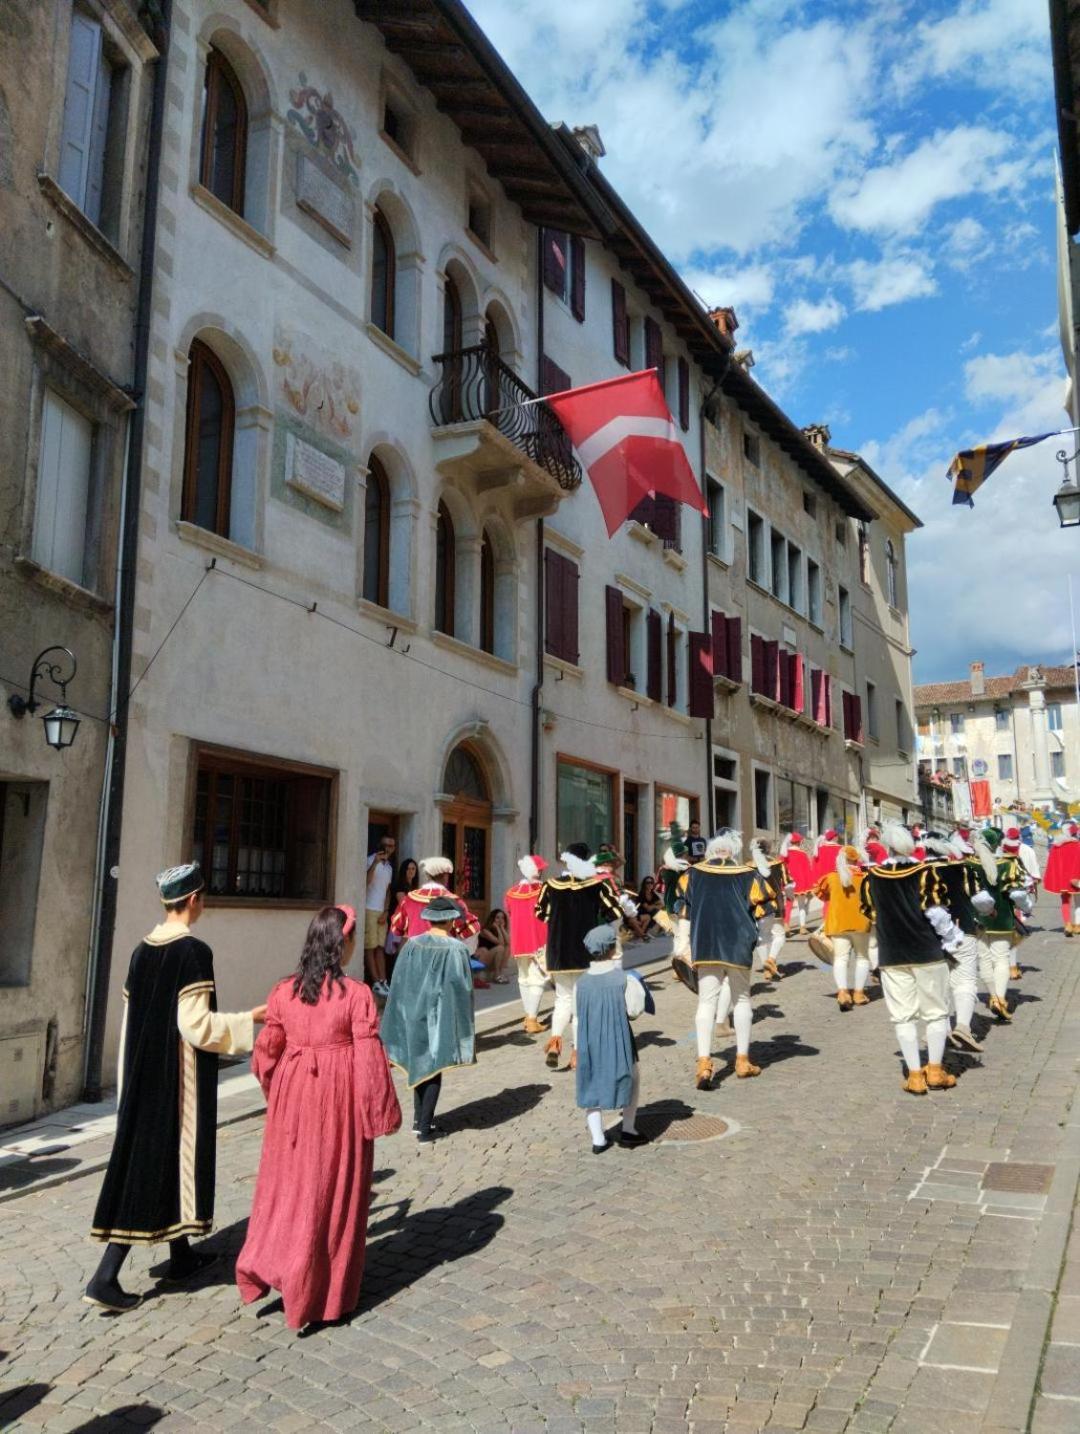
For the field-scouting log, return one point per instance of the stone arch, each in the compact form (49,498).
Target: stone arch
(403,509)
(223,33)
(455,264)
(384,198)
(479,738)
(500,312)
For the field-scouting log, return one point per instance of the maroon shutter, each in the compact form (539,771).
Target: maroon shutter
(553,379)
(553,592)
(734,649)
(620,324)
(784,667)
(684,394)
(849,716)
(672,673)
(719,644)
(571,578)
(757,663)
(856,718)
(613,606)
(772,670)
(826,682)
(577,277)
(701,675)
(654,346)
(555,261)
(655,640)
(665,518)
(644,513)
(817,695)
(798,683)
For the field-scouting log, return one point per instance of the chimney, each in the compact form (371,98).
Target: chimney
(588,137)
(725,320)
(745,359)
(978,679)
(819,435)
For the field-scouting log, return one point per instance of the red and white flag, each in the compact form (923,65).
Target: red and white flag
(627,440)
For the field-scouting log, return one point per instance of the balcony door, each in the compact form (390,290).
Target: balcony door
(452,345)
(466,829)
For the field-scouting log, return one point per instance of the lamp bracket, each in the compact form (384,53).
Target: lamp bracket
(51,671)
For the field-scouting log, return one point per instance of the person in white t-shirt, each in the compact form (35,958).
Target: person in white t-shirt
(380,873)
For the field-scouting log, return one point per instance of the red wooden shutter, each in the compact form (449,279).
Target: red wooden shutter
(826,682)
(571,579)
(701,675)
(613,607)
(620,324)
(577,277)
(654,346)
(553,379)
(757,663)
(734,649)
(555,261)
(772,670)
(798,683)
(856,718)
(845,704)
(719,644)
(553,594)
(684,394)
(672,671)
(784,670)
(817,695)
(654,632)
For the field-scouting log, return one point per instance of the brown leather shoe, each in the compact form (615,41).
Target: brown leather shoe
(1014,973)
(745,1068)
(860,998)
(772,970)
(533,1027)
(915,1083)
(938,1078)
(844,1000)
(552,1052)
(1000,1010)
(704,1074)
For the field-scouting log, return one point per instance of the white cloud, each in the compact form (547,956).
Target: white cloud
(899,197)
(878,284)
(981,40)
(748,287)
(1025,382)
(804,316)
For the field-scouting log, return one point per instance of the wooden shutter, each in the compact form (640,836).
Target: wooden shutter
(665,518)
(772,670)
(63,489)
(672,669)
(654,347)
(719,644)
(826,682)
(80,107)
(561,607)
(734,649)
(553,379)
(577,277)
(817,695)
(684,394)
(783,660)
(644,513)
(856,718)
(701,702)
(798,683)
(620,324)
(613,608)
(757,664)
(571,580)
(555,261)
(654,634)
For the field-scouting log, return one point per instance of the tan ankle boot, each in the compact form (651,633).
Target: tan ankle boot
(1000,1009)
(860,998)
(533,1027)
(938,1078)
(915,1083)
(552,1052)
(772,971)
(704,1074)
(843,1000)
(745,1067)
(573,1060)
(1014,973)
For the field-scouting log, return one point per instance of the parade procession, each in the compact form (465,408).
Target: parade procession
(540,716)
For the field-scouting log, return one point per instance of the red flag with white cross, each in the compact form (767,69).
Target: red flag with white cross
(627,441)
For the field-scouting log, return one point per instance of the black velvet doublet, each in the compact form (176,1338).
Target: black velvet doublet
(895,898)
(722,899)
(160,1180)
(571,909)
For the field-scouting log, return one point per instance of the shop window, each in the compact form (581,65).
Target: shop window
(22,833)
(584,805)
(673,814)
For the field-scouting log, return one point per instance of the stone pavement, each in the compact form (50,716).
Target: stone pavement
(841,1257)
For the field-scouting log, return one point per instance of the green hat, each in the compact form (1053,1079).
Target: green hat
(606,854)
(177,882)
(992,837)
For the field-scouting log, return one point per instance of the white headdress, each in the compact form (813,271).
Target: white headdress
(432,867)
(987,857)
(758,857)
(897,838)
(672,862)
(580,868)
(725,846)
(528,868)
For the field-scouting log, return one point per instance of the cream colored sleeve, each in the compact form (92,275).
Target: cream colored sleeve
(635,997)
(219,1031)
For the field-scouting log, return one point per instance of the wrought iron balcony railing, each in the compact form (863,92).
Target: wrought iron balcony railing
(475,383)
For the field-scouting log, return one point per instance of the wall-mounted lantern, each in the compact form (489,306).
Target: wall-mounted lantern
(61,724)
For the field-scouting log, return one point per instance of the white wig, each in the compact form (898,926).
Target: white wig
(432,867)
(725,846)
(529,869)
(843,869)
(938,846)
(578,867)
(758,857)
(896,837)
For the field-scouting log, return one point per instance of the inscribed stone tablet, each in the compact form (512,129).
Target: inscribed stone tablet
(318,195)
(316,474)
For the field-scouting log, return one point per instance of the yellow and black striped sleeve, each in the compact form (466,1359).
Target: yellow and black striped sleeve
(866,901)
(932,890)
(542,910)
(609,901)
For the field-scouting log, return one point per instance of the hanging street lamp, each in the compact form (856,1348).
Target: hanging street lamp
(61,724)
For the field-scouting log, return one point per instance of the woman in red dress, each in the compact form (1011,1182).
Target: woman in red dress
(329,1093)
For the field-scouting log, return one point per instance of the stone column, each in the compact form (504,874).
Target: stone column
(1040,743)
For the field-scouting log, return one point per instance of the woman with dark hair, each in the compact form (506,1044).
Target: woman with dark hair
(406,880)
(649,904)
(329,1094)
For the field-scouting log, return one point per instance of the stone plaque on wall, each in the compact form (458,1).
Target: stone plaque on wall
(315,474)
(321,196)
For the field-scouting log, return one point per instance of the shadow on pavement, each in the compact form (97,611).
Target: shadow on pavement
(492,1110)
(17,1402)
(654,1119)
(143,1415)
(653,1038)
(14,1177)
(780,1048)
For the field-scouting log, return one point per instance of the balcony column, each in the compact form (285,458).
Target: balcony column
(1040,744)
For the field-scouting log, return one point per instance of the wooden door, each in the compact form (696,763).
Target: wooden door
(466,840)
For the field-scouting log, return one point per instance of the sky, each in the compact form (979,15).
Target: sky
(871,185)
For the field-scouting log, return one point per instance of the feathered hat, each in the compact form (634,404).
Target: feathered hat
(725,846)
(673,861)
(432,867)
(759,858)
(531,867)
(896,837)
(985,845)
(580,868)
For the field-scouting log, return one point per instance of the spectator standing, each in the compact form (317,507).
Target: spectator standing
(380,873)
(406,880)
(695,843)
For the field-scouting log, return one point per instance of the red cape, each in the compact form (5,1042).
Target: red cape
(1062,866)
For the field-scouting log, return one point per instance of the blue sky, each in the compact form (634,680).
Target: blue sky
(872,186)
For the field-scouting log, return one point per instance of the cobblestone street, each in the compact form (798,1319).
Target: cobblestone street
(841,1257)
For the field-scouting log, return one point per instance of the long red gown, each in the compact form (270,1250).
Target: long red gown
(329,1094)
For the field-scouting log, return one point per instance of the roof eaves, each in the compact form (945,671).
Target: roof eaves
(1065,105)
(857,460)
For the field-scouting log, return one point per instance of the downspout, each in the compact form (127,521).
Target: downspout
(104,921)
(538,684)
(706,613)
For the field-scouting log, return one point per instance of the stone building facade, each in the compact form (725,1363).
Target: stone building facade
(75,87)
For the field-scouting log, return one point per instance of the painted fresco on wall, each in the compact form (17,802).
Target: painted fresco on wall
(314,115)
(322,391)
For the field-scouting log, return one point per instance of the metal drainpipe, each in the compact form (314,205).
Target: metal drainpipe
(101,956)
(538,685)
(707,618)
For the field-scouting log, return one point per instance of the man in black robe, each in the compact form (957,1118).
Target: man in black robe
(159,1184)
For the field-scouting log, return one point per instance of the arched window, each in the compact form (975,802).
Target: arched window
(451,345)
(383,266)
(208,450)
(464,777)
(891,583)
(445,571)
(491,367)
(224,133)
(377,535)
(487,594)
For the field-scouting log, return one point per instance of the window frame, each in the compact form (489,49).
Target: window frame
(845,634)
(758,769)
(1057,757)
(382,230)
(1005,760)
(378,479)
(1053,710)
(872,729)
(486,630)
(219,71)
(892,575)
(716,498)
(751,448)
(201,355)
(814,604)
(446,581)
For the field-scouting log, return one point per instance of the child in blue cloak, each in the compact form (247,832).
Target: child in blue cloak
(608,999)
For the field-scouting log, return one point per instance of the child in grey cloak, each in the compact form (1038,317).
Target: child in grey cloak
(608,998)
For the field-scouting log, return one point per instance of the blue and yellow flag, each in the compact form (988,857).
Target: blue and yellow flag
(972,466)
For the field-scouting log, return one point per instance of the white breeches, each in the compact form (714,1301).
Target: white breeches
(771,935)
(722,989)
(531,983)
(680,945)
(800,903)
(995,959)
(565,1010)
(595,1121)
(873,950)
(913,994)
(964,980)
(857,942)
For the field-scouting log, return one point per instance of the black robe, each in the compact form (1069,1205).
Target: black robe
(160,1181)
(571,909)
